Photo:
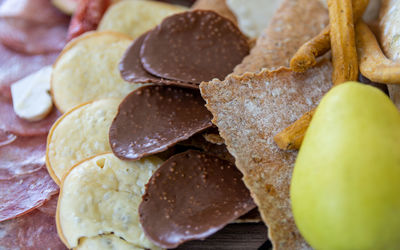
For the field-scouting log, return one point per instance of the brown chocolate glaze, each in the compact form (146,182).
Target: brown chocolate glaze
(191,196)
(151,119)
(193,46)
(131,68)
(198,142)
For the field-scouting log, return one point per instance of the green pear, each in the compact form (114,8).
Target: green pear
(345,189)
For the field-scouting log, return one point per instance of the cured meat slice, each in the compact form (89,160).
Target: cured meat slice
(6,137)
(32,231)
(23,30)
(14,66)
(50,207)
(23,193)
(10,122)
(87,16)
(22,156)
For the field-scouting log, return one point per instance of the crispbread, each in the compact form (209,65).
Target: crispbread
(218,6)
(109,241)
(294,23)
(87,69)
(101,196)
(136,17)
(249,110)
(389,32)
(78,134)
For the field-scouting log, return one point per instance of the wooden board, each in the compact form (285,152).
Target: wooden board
(246,236)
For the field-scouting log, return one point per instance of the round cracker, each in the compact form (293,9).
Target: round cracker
(108,241)
(101,196)
(136,17)
(80,133)
(87,69)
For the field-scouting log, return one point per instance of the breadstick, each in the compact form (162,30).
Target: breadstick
(343,44)
(292,136)
(373,63)
(305,57)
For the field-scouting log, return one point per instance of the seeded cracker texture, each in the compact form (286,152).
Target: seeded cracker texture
(294,23)
(249,110)
(389,31)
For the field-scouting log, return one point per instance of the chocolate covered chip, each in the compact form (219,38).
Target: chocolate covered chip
(193,46)
(191,196)
(153,118)
(131,68)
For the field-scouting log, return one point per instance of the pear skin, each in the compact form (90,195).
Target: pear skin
(345,188)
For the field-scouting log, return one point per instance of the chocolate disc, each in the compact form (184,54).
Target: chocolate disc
(191,196)
(154,118)
(131,68)
(193,46)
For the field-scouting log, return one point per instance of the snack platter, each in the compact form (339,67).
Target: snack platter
(199,124)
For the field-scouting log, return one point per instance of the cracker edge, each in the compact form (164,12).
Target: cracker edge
(50,135)
(73,43)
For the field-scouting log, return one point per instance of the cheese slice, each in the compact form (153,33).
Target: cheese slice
(30,95)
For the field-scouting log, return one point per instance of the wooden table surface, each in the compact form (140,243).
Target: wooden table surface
(245,236)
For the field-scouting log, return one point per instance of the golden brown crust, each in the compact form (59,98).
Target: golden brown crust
(306,56)
(373,63)
(294,23)
(292,136)
(249,110)
(343,45)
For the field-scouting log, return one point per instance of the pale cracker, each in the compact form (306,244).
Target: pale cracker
(135,17)
(218,6)
(87,69)
(79,134)
(101,196)
(253,16)
(389,33)
(249,111)
(294,23)
(109,241)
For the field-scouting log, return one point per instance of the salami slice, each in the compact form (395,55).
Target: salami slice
(14,66)
(22,156)
(6,138)
(50,207)
(24,193)
(23,30)
(10,122)
(32,231)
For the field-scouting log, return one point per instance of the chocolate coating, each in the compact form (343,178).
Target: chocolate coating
(131,68)
(193,46)
(153,118)
(191,196)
